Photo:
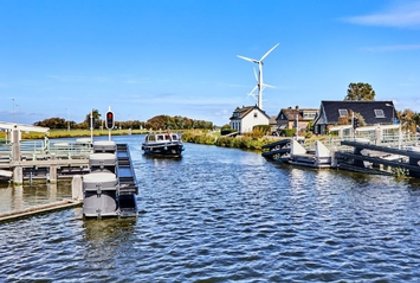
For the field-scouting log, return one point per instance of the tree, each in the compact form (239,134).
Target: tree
(164,122)
(55,123)
(417,119)
(96,119)
(407,118)
(348,120)
(360,91)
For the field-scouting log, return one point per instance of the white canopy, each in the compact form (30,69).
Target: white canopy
(22,127)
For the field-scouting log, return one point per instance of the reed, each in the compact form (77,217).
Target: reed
(247,142)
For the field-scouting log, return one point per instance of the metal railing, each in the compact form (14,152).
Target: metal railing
(38,149)
(404,140)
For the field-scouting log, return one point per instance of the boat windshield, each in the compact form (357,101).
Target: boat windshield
(151,138)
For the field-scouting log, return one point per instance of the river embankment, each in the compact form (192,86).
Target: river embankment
(246,142)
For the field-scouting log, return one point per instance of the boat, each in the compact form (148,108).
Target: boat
(163,145)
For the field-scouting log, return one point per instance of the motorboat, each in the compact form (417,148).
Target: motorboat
(163,145)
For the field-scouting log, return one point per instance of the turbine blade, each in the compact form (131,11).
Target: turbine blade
(252,92)
(247,59)
(269,86)
(255,74)
(268,52)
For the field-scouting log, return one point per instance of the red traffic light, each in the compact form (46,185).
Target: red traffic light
(110,123)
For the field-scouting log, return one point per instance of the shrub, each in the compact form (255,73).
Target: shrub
(288,132)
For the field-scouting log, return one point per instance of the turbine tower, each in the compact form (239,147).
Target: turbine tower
(260,82)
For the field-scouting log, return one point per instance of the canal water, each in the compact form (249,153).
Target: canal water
(223,215)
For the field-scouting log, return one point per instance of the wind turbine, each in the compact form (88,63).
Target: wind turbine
(260,83)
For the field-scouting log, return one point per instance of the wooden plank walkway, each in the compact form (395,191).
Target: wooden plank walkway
(44,208)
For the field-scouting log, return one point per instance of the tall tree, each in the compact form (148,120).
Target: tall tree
(96,119)
(360,91)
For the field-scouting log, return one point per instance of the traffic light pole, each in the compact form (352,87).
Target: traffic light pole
(110,122)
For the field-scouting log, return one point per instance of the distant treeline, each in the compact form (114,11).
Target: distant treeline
(160,122)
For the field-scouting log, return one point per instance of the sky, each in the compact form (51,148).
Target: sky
(179,57)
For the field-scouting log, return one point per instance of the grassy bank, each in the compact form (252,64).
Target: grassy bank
(214,138)
(75,133)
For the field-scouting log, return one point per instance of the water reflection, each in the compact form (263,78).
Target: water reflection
(224,215)
(106,230)
(27,195)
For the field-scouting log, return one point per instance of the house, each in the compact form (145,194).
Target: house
(333,113)
(245,118)
(273,124)
(287,117)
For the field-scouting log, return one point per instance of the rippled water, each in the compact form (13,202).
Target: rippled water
(226,215)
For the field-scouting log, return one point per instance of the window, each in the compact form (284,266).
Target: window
(343,112)
(379,113)
(309,115)
(255,115)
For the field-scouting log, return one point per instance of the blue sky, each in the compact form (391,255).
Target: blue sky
(144,58)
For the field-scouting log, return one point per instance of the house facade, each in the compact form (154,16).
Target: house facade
(333,113)
(287,117)
(246,117)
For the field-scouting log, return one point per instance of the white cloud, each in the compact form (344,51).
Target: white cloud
(406,15)
(392,48)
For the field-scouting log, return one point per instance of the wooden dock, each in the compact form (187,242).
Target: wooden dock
(39,209)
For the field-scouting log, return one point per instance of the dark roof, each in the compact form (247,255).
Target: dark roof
(290,113)
(244,110)
(365,108)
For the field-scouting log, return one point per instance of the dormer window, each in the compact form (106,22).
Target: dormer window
(309,115)
(343,113)
(379,113)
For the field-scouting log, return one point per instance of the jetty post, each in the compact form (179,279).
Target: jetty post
(53,171)
(16,157)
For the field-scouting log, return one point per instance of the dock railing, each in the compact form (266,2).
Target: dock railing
(38,149)
(405,140)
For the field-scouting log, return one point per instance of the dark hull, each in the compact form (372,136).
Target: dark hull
(163,150)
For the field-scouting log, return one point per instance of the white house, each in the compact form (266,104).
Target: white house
(245,118)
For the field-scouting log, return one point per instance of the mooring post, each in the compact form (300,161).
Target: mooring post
(16,157)
(77,188)
(358,151)
(53,170)
(415,162)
